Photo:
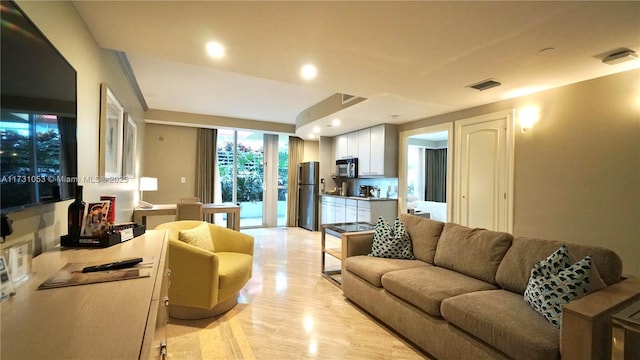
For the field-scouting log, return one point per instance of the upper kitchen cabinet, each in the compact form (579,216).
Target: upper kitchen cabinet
(376,149)
(379,157)
(346,145)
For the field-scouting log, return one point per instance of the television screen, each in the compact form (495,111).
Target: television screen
(38,145)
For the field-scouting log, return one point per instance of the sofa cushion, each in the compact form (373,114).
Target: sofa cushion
(501,319)
(391,242)
(371,268)
(474,252)
(515,269)
(199,236)
(424,234)
(426,287)
(548,292)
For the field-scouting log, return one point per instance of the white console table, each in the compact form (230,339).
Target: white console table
(123,319)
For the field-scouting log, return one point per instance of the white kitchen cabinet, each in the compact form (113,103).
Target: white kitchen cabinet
(352,144)
(351,210)
(341,211)
(323,212)
(370,210)
(364,211)
(341,144)
(364,151)
(346,145)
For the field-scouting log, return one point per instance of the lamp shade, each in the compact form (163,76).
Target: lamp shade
(148,184)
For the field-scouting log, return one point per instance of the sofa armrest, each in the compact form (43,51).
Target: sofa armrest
(586,322)
(229,240)
(356,243)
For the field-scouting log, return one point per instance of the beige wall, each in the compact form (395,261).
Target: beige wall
(311,151)
(170,153)
(61,24)
(577,172)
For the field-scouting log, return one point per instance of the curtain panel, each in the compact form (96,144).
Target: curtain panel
(296,156)
(206,168)
(435,175)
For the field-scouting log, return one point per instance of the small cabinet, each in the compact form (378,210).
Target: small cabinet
(364,152)
(341,146)
(351,210)
(340,210)
(364,211)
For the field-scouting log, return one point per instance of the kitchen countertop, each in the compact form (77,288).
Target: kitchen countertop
(361,198)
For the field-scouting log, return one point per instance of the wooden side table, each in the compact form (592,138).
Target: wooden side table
(625,333)
(338,230)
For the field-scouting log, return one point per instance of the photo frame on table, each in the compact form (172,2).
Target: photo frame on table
(129,150)
(111,133)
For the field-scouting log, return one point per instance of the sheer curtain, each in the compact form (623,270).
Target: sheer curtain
(207,173)
(435,175)
(296,156)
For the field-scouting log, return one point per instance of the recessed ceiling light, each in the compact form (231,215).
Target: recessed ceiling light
(312,136)
(316,129)
(215,50)
(308,72)
(335,122)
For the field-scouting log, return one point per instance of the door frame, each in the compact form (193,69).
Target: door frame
(509,116)
(402,166)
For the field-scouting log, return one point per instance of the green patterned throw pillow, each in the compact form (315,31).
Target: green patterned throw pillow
(391,242)
(547,292)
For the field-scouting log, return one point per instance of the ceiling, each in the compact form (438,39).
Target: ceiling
(410,60)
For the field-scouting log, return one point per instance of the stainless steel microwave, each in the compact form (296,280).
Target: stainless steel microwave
(347,168)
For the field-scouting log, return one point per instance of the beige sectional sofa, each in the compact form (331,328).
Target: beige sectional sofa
(462,297)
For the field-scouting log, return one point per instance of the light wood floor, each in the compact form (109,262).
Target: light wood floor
(287,311)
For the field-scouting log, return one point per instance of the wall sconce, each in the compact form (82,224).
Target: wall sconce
(527,117)
(147,184)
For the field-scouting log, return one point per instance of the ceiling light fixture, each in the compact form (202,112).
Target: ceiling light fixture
(316,129)
(620,56)
(215,50)
(335,122)
(308,72)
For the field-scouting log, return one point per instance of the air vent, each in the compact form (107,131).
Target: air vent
(485,84)
(346,98)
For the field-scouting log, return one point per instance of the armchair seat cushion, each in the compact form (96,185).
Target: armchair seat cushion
(234,269)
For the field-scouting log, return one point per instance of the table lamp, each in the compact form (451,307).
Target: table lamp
(147,184)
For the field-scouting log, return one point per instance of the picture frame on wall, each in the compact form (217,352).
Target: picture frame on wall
(129,150)
(111,133)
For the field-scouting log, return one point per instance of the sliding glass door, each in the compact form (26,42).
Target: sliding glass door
(249,168)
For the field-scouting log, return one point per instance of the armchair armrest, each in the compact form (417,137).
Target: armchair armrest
(227,240)
(586,322)
(194,275)
(356,243)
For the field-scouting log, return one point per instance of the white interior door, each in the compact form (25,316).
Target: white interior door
(482,186)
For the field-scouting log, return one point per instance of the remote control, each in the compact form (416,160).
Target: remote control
(113,265)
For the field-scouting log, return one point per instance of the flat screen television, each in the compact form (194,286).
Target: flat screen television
(38,101)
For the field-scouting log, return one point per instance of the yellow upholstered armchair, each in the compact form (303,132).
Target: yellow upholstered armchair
(209,265)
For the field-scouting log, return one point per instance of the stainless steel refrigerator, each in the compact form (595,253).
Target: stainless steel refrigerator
(308,191)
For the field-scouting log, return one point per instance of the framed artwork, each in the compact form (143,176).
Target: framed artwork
(129,150)
(111,129)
